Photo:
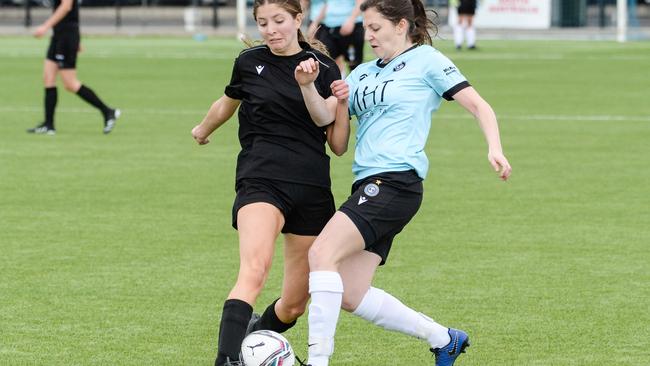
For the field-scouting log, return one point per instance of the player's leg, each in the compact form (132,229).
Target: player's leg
(258,225)
(381,308)
(281,315)
(50,69)
(339,239)
(310,210)
(471,33)
(72,84)
(459,31)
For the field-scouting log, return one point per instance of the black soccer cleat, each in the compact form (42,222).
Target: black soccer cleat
(42,129)
(251,323)
(110,119)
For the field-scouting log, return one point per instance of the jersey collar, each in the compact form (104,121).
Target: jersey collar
(382,65)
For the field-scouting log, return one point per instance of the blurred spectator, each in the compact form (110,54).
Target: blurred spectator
(464,29)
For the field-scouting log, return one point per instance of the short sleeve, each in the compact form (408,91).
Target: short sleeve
(234,89)
(327,76)
(444,77)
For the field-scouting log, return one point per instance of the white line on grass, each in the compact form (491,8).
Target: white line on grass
(201,112)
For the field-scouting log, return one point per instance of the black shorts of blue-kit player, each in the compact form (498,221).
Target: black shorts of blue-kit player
(306,208)
(467,7)
(380,207)
(338,45)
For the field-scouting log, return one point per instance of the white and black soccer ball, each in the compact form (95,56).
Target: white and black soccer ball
(266,348)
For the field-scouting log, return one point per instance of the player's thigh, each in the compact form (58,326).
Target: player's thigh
(258,225)
(339,239)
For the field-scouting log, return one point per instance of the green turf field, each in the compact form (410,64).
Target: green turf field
(117,249)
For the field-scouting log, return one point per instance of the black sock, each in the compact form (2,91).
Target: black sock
(89,96)
(50,106)
(270,321)
(234,320)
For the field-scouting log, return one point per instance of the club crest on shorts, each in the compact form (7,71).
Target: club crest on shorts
(371,190)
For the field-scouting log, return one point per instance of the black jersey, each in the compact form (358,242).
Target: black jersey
(70,21)
(278,138)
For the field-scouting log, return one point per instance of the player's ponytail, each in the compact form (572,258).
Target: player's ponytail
(421,26)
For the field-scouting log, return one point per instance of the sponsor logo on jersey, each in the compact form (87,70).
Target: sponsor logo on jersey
(400,66)
(362,199)
(363,76)
(449,70)
(259,69)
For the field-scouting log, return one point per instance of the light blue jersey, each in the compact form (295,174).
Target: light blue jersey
(315,7)
(338,11)
(394,104)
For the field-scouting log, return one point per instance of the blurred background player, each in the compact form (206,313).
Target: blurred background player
(464,29)
(61,59)
(339,25)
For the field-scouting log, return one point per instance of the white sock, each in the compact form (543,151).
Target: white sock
(471,36)
(386,311)
(459,31)
(326,289)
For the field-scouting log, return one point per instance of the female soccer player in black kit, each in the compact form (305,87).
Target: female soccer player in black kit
(61,59)
(282,177)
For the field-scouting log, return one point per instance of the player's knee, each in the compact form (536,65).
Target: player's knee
(253,276)
(319,256)
(71,87)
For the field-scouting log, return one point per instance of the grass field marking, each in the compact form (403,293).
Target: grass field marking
(212,54)
(181,111)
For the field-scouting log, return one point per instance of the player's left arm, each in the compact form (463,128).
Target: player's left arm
(470,99)
(338,133)
(58,14)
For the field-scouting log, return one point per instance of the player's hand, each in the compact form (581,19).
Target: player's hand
(500,164)
(340,90)
(306,72)
(199,135)
(347,28)
(40,31)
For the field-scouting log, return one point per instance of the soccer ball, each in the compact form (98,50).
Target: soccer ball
(266,348)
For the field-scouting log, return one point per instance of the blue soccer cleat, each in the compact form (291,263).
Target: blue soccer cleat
(446,356)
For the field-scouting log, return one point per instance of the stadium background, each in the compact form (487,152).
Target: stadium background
(117,249)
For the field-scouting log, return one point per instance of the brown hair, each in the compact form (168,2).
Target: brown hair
(294,8)
(412,11)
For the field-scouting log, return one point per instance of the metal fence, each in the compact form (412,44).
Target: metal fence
(188,15)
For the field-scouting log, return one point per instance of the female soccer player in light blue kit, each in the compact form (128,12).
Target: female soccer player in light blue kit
(393,98)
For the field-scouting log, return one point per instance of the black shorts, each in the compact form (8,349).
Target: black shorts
(63,49)
(467,7)
(306,208)
(338,45)
(381,205)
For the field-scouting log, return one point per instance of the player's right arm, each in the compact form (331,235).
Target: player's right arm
(54,19)
(217,115)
